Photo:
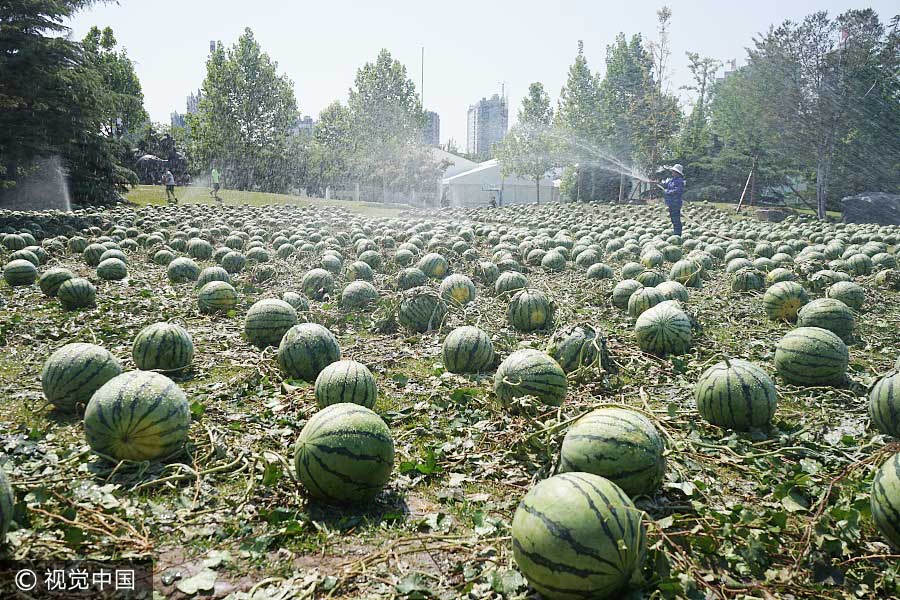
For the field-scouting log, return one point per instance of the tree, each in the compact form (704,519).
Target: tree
(245,113)
(695,136)
(123,105)
(526,150)
(331,149)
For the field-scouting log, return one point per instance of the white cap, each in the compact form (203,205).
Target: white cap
(678,169)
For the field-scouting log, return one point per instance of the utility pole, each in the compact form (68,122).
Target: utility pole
(422,88)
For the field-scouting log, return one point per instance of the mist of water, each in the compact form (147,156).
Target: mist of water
(45,188)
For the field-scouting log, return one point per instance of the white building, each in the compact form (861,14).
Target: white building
(476,186)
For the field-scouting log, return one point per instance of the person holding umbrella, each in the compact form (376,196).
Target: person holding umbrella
(673,193)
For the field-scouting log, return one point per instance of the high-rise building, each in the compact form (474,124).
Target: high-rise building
(303,126)
(486,125)
(432,133)
(176,119)
(193,103)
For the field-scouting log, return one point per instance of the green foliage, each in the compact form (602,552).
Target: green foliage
(526,149)
(245,113)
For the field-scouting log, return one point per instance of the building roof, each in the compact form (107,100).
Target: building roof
(489,172)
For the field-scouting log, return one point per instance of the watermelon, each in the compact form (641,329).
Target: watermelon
(360,270)
(345,454)
(553,261)
(487,272)
(299,302)
(212,274)
(783,300)
(747,280)
(138,416)
(358,295)
(811,356)
(183,270)
(889,279)
(163,257)
(467,349)
(26,255)
(672,290)
(736,394)
(885,500)
(621,445)
(884,404)
(74,372)
(600,271)
(112,269)
(14,242)
(234,262)
(778,275)
(433,265)
(458,289)
(579,346)
(851,294)
(509,282)
(20,272)
(578,535)
(622,291)
(317,283)
(217,296)
(687,272)
(346,381)
(7,503)
(830,314)
(664,329)
(411,277)
(268,320)
(530,310)
(330,263)
(422,309)
(530,372)
(52,279)
(163,347)
(76,293)
(642,300)
(306,349)
(92,254)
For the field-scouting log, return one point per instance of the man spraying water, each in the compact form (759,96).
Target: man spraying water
(673,192)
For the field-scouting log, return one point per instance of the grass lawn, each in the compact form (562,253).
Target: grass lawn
(750,210)
(156,194)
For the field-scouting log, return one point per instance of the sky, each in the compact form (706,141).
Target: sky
(473,49)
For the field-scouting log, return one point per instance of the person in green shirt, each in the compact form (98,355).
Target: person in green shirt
(214,179)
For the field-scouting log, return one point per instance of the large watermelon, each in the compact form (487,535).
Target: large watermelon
(467,349)
(811,356)
(183,270)
(268,320)
(884,404)
(530,373)
(830,314)
(7,503)
(457,288)
(577,535)
(346,381)
(52,279)
(20,272)
(664,329)
(736,394)
(621,445)
(163,347)
(344,454)
(306,349)
(885,500)
(217,296)
(851,294)
(579,346)
(74,372)
(76,293)
(529,310)
(783,300)
(642,300)
(433,265)
(358,295)
(317,283)
(139,415)
(422,309)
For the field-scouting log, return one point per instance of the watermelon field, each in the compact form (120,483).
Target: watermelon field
(558,401)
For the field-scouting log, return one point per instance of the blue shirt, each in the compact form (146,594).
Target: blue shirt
(674,190)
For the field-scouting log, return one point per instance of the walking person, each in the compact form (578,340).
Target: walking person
(214,179)
(169,181)
(673,192)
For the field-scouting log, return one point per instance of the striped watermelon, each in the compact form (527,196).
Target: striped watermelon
(199,249)
(642,300)
(851,294)
(811,356)
(884,404)
(885,500)
(650,278)
(509,282)
(163,347)
(112,269)
(622,291)
(20,272)
(92,254)
(182,270)
(358,295)
(687,272)
(600,271)
(52,279)
(217,296)
(346,381)
(530,310)
(298,301)
(212,274)
(411,277)
(7,503)
(139,415)
(345,454)
(889,279)
(306,349)
(783,300)
(360,270)
(672,290)
(74,372)
(317,283)
(579,346)
(736,394)
(268,320)
(467,349)
(458,289)
(553,261)
(747,280)
(487,272)
(664,329)
(830,314)
(421,309)
(621,445)
(433,265)
(530,373)
(163,257)
(577,535)
(234,262)
(76,293)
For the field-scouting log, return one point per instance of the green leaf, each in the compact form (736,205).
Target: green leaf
(204,581)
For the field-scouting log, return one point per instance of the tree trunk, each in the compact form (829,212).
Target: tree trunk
(621,187)
(537,181)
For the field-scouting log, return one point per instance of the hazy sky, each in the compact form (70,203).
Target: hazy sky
(471,47)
